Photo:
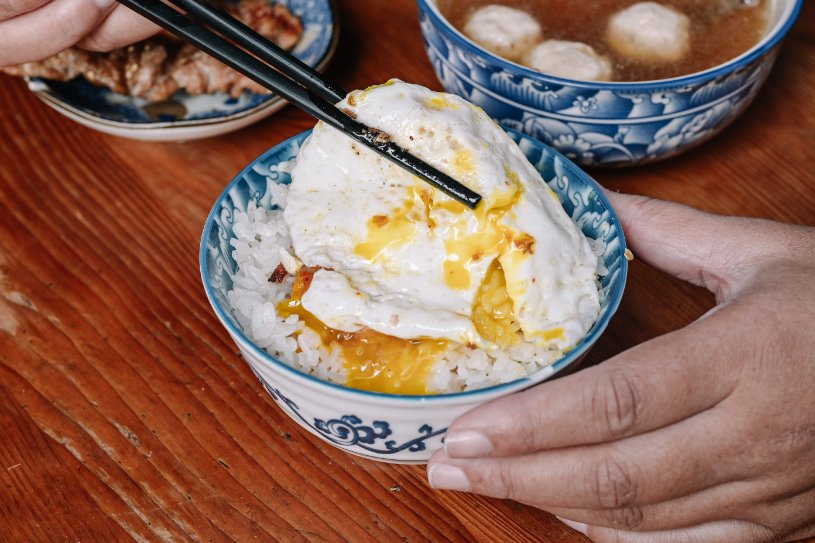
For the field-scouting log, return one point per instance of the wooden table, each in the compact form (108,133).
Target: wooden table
(126,412)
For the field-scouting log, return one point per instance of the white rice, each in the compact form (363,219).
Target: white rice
(260,235)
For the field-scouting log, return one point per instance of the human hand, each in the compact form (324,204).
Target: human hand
(704,434)
(32,30)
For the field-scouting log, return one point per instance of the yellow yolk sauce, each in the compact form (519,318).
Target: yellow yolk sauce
(493,315)
(477,234)
(473,236)
(388,230)
(372,360)
(362,95)
(439,102)
(549,335)
(463,162)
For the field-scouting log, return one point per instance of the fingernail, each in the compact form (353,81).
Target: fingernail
(467,444)
(104,4)
(447,477)
(577,526)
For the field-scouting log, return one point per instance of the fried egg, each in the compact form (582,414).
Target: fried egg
(390,253)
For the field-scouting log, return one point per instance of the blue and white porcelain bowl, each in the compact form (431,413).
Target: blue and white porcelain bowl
(185,117)
(604,124)
(388,427)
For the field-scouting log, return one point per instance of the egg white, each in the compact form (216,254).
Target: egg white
(388,243)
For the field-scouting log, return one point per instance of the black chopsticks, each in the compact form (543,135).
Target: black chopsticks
(263,48)
(301,85)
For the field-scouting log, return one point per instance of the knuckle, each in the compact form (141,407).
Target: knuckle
(71,22)
(99,42)
(77,23)
(614,485)
(630,519)
(644,206)
(501,480)
(617,404)
(66,14)
(526,430)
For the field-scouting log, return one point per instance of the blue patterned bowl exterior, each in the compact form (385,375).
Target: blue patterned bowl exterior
(602,124)
(320,33)
(387,427)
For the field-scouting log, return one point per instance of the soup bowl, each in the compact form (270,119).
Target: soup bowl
(390,427)
(604,123)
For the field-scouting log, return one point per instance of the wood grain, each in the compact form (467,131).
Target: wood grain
(126,413)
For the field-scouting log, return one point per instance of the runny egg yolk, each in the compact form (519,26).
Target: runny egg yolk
(388,230)
(379,362)
(476,235)
(493,315)
(400,226)
(373,361)
(472,235)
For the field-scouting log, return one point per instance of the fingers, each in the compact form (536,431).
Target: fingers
(12,8)
(718,532)
(711,505)
(97,25)
(648,387)
(669,401)
(637,471)
(746,443)
(695,246)
(804,533)
(122,27)
(738,499)
(61,22)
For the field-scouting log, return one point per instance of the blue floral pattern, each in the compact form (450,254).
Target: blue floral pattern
(350,431)
(598,125)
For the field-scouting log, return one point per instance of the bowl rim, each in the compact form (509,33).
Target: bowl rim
(770,40)
(44,91)
(572,356)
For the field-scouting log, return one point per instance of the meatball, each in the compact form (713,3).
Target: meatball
(650,32)
(569,59)
(505,31)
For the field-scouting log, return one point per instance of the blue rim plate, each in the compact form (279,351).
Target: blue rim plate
(105,110)
(581,197)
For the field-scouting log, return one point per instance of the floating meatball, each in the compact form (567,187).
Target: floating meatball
(569,59)
(650,32)
(505,31)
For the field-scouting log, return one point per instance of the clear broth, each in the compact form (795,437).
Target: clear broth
(720,29)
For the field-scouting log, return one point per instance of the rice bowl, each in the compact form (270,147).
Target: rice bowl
(388,427)
(366,276)
(261,234)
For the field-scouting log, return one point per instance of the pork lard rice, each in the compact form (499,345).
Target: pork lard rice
(366,276)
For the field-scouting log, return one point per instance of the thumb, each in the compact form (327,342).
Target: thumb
(716,252)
